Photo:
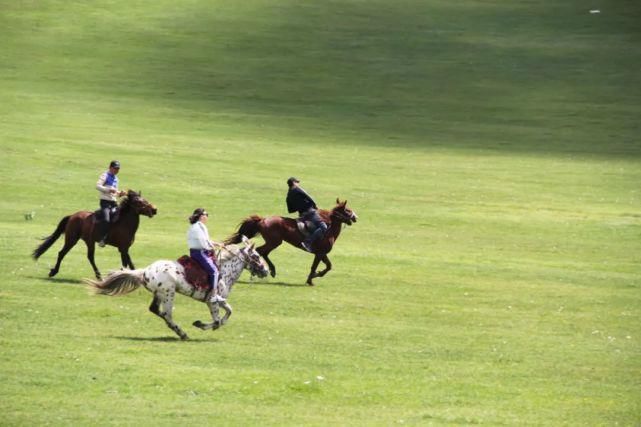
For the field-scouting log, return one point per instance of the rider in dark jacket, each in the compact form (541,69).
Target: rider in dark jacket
(299,201)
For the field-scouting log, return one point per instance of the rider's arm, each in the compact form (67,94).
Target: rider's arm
(203,237)
(290,206)
(292,199)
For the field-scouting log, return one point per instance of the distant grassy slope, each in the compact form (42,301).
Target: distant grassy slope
(524,76)
(491,150)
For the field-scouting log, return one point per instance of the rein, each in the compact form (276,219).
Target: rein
(224,247)
(246,258)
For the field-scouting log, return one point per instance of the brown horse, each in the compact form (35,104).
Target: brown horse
(275,229)
(82,225)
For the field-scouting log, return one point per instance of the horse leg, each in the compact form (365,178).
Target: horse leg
(91,249)
(312,272)
(217,322)
(155,306)
(215,317)
(167,308)
(125,259)
(69,243)
(264,251)
(213,309)
(270,264)
(225,306)
(328,266)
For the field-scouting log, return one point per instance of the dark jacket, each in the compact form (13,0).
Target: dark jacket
(299,200)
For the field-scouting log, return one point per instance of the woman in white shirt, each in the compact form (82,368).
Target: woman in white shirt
(200,248)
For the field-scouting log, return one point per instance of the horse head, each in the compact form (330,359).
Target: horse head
(342,213)
(140,205)
(253,261)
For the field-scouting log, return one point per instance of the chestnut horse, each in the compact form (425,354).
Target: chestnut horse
(275,229)
(82,225)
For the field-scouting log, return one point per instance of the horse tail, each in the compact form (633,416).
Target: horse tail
(50,240)
(248,228)
(119,282)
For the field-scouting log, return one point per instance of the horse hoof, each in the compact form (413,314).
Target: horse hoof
(309,282)
(184,337)
(272,273)
(52,273)
(199,324)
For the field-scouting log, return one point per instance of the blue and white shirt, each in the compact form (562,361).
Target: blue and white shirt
(105,183)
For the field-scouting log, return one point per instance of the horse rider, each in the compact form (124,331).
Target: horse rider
(107,186)
(201,247)
(299,200)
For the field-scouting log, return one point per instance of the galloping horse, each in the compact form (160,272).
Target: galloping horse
(82,225)
(275,229)
(164,278)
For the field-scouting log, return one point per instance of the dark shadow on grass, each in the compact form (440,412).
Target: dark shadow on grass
(291,285)
(163,339)
(425,76)
(529,77)
(59,280)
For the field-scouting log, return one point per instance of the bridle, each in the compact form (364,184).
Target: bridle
(140,205)
(343,216)
(254,263)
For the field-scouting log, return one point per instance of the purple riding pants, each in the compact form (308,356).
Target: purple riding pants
(200,255)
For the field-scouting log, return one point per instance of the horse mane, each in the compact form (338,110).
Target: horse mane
(125,202)
(227,252)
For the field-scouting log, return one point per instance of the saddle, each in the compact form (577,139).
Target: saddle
(194,273)
(115,214)
(306,228)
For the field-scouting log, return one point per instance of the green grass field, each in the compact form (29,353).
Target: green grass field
(491,150)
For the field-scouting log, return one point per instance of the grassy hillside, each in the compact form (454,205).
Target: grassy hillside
(490,149)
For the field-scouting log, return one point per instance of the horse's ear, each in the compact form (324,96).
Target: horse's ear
(338,202)
(245,239)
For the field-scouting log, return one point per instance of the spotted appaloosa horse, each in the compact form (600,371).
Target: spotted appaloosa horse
(82,225)
(275,229)
(164,278)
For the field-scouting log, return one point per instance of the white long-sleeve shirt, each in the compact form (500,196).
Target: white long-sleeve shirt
(198,237)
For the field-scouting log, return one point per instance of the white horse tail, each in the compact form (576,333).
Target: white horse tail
(119,282)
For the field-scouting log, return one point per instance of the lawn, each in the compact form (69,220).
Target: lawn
(490,149)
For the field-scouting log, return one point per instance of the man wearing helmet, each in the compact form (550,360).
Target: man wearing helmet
(299,201)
